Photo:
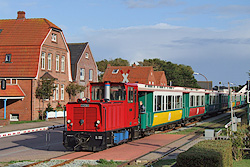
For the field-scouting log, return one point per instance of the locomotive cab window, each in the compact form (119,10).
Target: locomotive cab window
(97,92)
(117,92)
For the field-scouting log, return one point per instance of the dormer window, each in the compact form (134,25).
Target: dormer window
(54,37)
(8,58)
(86,55)
(115,71)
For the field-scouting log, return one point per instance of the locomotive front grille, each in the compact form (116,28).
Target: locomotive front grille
(84,118)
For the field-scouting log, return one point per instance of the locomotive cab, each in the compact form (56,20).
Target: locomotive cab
(109,118)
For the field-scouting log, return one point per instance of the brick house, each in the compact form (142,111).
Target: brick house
(83,67)
(135,74)
(29,50)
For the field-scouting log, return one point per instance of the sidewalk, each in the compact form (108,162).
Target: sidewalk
(25,126)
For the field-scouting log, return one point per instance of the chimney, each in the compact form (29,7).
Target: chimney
(134,65)
(20,15)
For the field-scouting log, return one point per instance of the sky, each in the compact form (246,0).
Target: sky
(211,36)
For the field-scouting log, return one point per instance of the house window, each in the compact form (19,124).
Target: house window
(63,64)
(49,61)
(90,75)
(115,71)
(81,95)
(54,92)
(57,91)
(57,62)
(8,58)
(43,61)
(82,74)
(86,55)
(54,37)
(62,92)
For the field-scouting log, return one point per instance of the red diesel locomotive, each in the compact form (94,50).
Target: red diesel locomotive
(94,125)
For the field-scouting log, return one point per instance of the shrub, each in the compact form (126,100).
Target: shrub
(216,153)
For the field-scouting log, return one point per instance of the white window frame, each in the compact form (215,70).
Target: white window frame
(86,55)
(63,64)
(54,92)
(43,61)
(7,58)
(54,37)
(82,74)
(49,61)
(57,91)
(90,75)
(57,63)
(81,95)
(62,92)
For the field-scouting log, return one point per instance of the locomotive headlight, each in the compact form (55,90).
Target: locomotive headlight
(69,121)
(97,123)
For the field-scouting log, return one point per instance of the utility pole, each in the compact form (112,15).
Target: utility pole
(233,119)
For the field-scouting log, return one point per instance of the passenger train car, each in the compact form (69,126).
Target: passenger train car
(118,112)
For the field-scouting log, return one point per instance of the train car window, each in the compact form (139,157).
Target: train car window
(177,101)
(213,99)
(130,94)
(192,100)
(97,92)
(117,92)
(202,100)
(163,102)
(169,102)
(197,100)
(159,106)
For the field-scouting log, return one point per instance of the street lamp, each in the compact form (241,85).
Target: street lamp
(196,73)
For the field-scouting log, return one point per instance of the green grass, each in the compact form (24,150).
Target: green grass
(21,122)
(165,163)
(243,163)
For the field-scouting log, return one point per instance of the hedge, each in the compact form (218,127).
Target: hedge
(216,153)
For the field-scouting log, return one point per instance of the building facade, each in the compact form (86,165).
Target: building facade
(29,50)
(83,67)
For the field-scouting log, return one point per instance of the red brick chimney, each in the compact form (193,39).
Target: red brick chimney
(20,15)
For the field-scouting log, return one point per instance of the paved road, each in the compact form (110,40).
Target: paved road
(32,146)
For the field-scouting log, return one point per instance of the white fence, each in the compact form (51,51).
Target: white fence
(56,114)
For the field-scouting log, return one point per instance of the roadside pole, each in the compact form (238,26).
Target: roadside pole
(248,101)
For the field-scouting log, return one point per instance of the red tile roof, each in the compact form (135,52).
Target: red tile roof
(136,74)
(22,38)
(12,91)
(160,78)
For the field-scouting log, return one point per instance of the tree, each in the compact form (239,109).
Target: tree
(73,88)
(180,75)
(44,90)
(102,65)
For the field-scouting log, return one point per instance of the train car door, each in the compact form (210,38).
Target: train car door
(132,106)
(206,102)
(146,118)
(186,108)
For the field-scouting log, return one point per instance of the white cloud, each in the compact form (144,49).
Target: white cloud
(217,54)
(150,3)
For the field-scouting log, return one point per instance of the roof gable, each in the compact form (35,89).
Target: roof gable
(76,51)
